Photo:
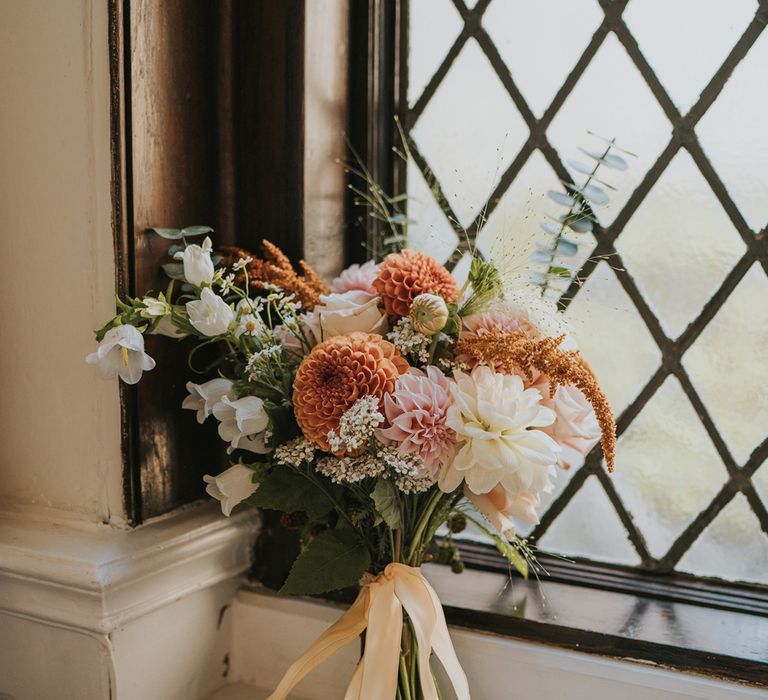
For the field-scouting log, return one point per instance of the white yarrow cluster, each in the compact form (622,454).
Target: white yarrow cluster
(259,361)
(413,484)
(295,452)
(357,424)
(349,470)
(408,341)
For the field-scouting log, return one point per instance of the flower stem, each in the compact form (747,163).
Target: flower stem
(404,683)
(421,526)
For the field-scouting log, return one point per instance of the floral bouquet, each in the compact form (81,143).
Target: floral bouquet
(373,414)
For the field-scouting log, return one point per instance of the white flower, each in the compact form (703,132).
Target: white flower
(210,315)
(203,397)
(121,353)
(340,314)
(242,262)
(249,323)
(495,420)
(155,308)
(198,266)
(231,487)
(241,421)
(499,505)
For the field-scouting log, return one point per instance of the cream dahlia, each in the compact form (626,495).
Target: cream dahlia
(335,375)
(403,276)
(497,424)
(416,413)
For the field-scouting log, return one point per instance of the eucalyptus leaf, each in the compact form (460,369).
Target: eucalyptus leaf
(196,230)
(578,223)
(385,500)
(175,248)
(578,166)
(172,234)
(174,270)
(537,278)
(566,248)
(595,195)
(550,227)
(336,559)
(541,256)
(561,198)
(557,271)
(611,160)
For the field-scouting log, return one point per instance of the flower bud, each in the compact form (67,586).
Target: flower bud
(429,314)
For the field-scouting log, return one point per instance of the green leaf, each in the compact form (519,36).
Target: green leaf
(385,500)
(196,230)
(174,270)
(563,272)
(172,234)
(287,491)
(336,559)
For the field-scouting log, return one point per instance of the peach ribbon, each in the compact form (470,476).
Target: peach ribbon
(379,607)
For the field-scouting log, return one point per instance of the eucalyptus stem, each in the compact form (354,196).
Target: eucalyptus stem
(422,525)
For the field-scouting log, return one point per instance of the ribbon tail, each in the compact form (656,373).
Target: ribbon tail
(411,588)
(382,645)
(338,635)
(443,647)
(355,687)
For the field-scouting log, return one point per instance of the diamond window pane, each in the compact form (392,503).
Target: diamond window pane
(469,132)
(689,45)
(667,470)
(434,26)
(598,535)
(612,99)
(613,337)
(429,231)
(734,136)
(760,482)
(727,365)
(679,245)
(732,547)
(517,27)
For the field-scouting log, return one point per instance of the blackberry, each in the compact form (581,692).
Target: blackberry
(293,521)
(457,523)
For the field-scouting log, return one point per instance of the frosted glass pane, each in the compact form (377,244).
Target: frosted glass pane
(686,41)
(732,547)
(612,99)
(667,470)
(429,231)
(679,245)
(613,337)
(433,27)
(728,367)
(733,134)
(589,527)
(469,132)
(517,28)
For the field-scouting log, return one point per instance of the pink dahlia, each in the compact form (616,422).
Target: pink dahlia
(416,412)
(356,277)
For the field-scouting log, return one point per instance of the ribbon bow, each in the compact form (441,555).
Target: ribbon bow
(379,607)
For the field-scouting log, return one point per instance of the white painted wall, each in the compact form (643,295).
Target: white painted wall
(60,444)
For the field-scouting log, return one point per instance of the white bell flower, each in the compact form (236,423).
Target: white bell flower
(210,314)
(121,353)
(240,420)
(203,397)
(198,266)
(231,487)
(155,307)
(165,327)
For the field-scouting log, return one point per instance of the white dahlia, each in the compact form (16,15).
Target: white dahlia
(495,420)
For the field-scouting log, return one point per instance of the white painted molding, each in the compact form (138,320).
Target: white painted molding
(270,632)
(98,578)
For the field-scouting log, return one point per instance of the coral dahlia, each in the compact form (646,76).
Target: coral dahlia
(403,276)
(336,374)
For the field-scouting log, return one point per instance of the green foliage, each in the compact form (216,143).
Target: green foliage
(486,286)
(289,491)
(386,503)
(335,559)
(175,234)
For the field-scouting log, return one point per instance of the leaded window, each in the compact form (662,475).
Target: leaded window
(671,302)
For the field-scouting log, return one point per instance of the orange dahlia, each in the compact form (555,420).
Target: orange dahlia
(337,373)
(403,276)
